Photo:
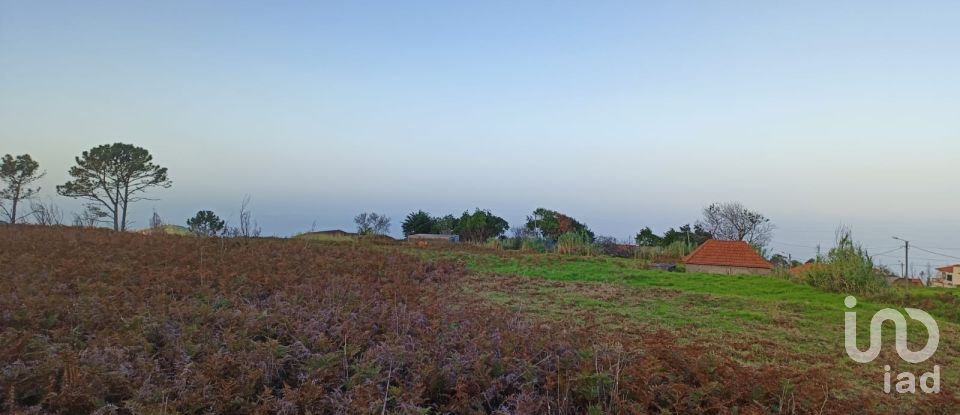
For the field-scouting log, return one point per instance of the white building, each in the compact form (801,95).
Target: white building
(946,276)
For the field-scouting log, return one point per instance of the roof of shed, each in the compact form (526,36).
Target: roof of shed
(727,254)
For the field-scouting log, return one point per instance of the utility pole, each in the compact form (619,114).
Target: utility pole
(906,255)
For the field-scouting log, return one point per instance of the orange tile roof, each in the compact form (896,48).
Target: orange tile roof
(799,269)
(948,269)
(727,254)
(911,281)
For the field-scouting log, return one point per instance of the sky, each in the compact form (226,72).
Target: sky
(620,114)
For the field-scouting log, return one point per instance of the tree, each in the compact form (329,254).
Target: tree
(372,224)
(480,226)
(780,261)
(551,224)
(732,221)
(206,223)
(113,175)
(248,228)
(17,174)
(417,222)
(155,221)
(695,236)
(646,237)
(445,225)
(89,217)
(46,214)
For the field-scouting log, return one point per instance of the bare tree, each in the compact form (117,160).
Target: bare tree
(155,221)
(733,221)
(248,227)
(17,173)
(91,216)
(46,213)
(372,224)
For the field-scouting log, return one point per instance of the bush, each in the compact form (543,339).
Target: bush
(847,268)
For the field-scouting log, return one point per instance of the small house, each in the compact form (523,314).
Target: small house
(728,258)
(946,277)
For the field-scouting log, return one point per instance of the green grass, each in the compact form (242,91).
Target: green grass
(756,319)
(759,290)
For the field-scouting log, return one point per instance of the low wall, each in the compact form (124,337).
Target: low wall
(719,269)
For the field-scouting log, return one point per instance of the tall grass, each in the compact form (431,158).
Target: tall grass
(847,268)
(576,243)
(672,252)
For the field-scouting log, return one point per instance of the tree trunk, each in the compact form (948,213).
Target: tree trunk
(13,207)
(123,223)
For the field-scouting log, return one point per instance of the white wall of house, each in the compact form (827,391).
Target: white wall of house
(946,279)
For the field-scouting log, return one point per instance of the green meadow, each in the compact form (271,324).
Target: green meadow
(754,319)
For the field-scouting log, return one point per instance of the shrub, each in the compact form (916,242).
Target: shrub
(847,268)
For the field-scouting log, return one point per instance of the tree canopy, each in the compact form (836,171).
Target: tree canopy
(418,222)
(480,226)
(206,223)
(17,174)
(113,176)
(372,223)
(551,224)
(694,236)
(646,237)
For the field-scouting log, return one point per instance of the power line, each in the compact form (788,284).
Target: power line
(937,253)
(877,248)
(798,246)
(900,257)
(887,252)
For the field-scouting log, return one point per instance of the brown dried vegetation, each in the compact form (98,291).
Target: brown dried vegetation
(107,322)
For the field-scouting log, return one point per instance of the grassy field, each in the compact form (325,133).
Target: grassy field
(108,322)
(755,320)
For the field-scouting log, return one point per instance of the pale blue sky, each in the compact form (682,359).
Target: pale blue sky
(622,114)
